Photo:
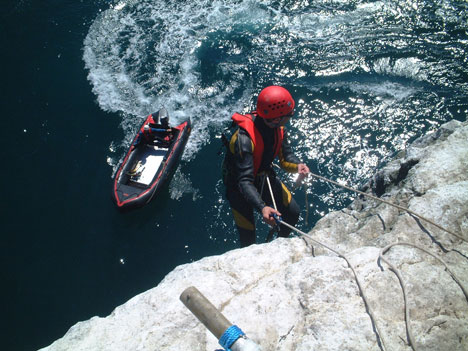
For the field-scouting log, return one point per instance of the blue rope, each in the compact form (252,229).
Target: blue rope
(230,336)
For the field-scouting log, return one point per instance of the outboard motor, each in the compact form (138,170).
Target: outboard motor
(156,118)
(164,118)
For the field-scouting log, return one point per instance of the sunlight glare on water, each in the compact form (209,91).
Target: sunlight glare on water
(368,77)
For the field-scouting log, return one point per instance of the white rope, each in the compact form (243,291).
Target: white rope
(361,288)
(391,204)
(386,202)
(381,257)
(271,192)
(400,278)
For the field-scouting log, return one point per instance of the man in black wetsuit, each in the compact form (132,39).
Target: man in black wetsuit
(260,138)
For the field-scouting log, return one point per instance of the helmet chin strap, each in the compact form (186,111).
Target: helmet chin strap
(281,122)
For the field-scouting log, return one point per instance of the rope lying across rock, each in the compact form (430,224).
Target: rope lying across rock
(381,257)
(387,248)
(361,289)
(391,204)
(400,278)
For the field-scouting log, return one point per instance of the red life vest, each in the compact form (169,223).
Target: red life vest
(246,122)
(147,133)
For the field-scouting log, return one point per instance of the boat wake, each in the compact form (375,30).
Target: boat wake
(367,76)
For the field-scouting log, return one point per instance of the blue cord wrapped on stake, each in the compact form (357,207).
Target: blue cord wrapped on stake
(230,336)
(278,219)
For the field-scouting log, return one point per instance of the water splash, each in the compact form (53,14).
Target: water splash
(368,76)
(181,185)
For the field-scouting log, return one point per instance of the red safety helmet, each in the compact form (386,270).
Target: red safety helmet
(273,102)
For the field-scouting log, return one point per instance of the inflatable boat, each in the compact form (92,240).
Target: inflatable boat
(150,161)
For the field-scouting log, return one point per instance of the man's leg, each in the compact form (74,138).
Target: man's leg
(243,216)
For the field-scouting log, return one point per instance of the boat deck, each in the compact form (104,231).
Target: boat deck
(149,162)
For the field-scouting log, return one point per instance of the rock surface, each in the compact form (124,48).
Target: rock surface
(291,294)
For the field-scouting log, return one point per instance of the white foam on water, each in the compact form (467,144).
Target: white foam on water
(410,67)
(142,55)
(181,185)
(389,92)
(147,54)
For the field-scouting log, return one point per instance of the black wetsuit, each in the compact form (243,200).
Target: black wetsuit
(244,191)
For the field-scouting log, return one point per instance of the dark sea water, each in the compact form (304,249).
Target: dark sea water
(78,77)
